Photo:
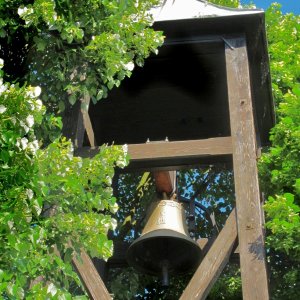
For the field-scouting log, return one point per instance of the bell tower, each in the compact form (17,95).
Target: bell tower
(208,90)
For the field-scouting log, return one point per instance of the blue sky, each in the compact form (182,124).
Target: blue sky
(287,5)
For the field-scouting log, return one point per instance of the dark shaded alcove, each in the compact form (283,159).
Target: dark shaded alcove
(181,94)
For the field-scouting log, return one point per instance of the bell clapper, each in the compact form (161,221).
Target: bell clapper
(165,273)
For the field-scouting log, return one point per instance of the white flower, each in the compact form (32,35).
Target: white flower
(114,223)
(117,36)
(129,66)
(3,87)
(38,104)
(24,143)
(52,289)
(31,104)
(30,121)
(29,194)
(125,148)
(2,109)
(37,91)
(79,163)
(34,92)
(1,63)
(108,180)
(22,10)
(33,146)
(114,208)
(121,163)
(25,127)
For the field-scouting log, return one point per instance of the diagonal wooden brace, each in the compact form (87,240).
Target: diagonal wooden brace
(213,263)
(90,278)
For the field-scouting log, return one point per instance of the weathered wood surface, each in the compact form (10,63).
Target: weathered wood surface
(169,150)
(75,129)
(165,181)
(87,121)
(249,218)
(90,278)
(213,263)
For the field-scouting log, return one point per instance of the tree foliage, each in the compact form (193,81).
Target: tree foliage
(53,203)
(50,201)
(79,49)
(279,166)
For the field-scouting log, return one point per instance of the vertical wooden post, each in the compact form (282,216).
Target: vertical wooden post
(249,220)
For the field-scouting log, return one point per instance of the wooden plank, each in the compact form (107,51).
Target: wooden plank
(249,219)
(165,181)
(87,121)
(213,263)
(169,150)
(205,245)
(85,268)
(90,278)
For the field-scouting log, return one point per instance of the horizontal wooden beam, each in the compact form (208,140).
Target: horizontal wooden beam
(169,150)
(164,154)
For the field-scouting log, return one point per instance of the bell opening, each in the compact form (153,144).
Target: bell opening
(149,254)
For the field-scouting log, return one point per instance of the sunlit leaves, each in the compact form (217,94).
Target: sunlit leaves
(226,3)
(279,167)
(283,35)
(50,200)
(94,44)
(284,223)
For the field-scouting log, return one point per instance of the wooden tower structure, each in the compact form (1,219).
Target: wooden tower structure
(208,91)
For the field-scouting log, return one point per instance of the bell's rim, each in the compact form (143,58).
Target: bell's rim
(161,234)
(164,232)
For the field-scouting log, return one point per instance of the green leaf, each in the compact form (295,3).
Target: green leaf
(61,106)
(72,99)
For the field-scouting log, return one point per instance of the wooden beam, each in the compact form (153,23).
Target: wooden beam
(213,263)
(90,278)
(75,130)
(249,218)
(169,150)
(205,245)
(165,181)
(87,121)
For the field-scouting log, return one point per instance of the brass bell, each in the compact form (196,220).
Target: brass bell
(165,246)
